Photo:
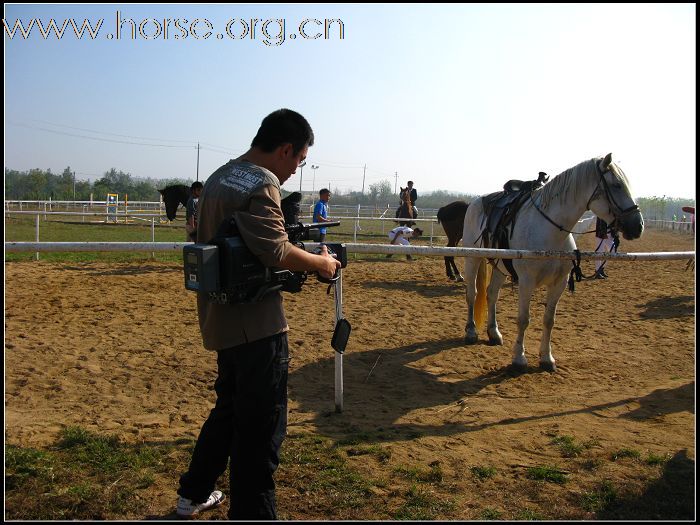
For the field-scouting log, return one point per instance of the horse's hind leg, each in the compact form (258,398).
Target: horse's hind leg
(471,268)
(449,262)
(458,276)
(553,294)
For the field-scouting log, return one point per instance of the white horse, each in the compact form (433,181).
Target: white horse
(544,222)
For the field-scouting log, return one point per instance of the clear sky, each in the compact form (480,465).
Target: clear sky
(453,97)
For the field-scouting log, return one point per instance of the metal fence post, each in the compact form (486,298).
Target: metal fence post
(338,355)
(153,234)
(37,234)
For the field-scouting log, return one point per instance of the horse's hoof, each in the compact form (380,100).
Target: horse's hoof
(546,366)
(470,339)
(495,337)
(460,279)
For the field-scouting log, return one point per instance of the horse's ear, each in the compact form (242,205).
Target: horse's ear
(606,161)
(161,192)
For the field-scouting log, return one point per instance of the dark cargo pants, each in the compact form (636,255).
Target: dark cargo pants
(247,425)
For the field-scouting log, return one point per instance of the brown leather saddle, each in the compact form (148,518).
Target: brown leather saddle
(500,211)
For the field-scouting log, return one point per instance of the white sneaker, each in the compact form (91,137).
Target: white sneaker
(185,507)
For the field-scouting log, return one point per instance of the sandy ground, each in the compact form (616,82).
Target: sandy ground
(115,348)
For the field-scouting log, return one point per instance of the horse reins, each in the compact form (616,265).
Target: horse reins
(608,195)
(576,273)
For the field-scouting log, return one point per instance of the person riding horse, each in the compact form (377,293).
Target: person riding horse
(406,209)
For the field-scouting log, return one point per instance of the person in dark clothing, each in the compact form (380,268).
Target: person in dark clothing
(191,211)
(413,192)
(608,241)
(246,427)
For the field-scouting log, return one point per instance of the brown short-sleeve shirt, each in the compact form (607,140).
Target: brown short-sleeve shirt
(252,195)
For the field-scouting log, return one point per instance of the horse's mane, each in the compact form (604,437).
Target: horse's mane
(571,182)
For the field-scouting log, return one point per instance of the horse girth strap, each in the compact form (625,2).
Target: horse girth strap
(500,240)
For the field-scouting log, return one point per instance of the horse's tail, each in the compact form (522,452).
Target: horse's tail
(483,278)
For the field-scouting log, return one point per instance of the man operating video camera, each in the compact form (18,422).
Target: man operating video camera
(249,420)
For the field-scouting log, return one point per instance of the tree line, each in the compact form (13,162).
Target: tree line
(39,184)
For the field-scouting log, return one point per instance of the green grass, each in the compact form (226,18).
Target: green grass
(330,476)
(84,476)
(490,514)
(482,473)
(570,448)
(529,515)
(602,497)
(23,229)
(63,229)
(625,453)
(546,473)
(433,474)
(421,504)
(654,459)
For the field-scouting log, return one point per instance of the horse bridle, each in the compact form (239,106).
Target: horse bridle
(609,196)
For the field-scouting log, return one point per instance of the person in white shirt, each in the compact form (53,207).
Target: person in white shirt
(401,234)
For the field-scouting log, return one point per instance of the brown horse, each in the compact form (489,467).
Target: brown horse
(451,217)
(173,196)
(406,209)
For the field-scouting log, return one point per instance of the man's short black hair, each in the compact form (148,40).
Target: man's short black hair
(283,126)
(324,190)
(196,185)
(410,182)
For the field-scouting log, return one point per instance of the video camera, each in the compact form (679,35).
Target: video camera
(228,272)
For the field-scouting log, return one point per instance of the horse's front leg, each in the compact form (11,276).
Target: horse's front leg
(525,290)
(553,294)
(493,291)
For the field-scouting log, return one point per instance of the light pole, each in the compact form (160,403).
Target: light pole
(313,188)
(301,175)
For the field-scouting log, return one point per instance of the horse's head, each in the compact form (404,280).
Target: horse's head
(172,197)
(612,200)
(291,207)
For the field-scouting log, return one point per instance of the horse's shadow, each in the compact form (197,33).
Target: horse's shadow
(376,382)
(669,307)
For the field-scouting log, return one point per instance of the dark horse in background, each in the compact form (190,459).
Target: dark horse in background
(451,217)
(172,197)
(178,194)
(406,209)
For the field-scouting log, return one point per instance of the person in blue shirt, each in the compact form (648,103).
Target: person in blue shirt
(321,211)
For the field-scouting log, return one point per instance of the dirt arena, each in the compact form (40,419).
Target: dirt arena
(115,348)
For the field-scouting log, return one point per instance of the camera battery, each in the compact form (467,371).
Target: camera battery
(201,265)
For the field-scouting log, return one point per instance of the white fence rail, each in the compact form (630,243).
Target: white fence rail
(355,248)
